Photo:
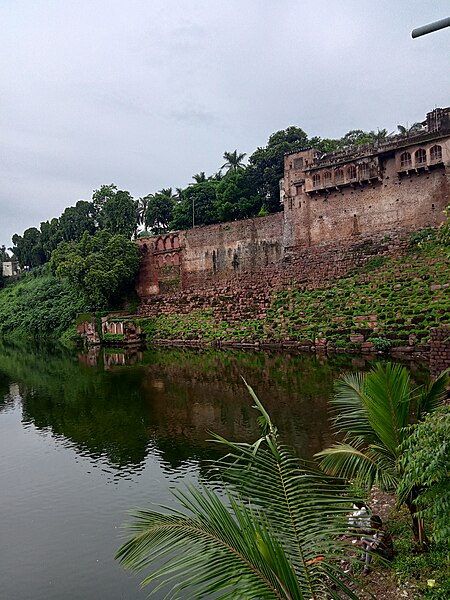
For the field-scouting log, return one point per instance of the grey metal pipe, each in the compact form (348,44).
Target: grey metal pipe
(430,27)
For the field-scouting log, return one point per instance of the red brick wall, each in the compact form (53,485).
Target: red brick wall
(246,295)
(315,238)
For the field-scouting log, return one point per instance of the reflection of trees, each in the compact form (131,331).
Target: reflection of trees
(172,400)
(100,413)
(4,391)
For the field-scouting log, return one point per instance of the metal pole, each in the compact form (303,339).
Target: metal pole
(431,27)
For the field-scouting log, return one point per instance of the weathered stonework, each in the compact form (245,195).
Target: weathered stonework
(339,210)
(439,349)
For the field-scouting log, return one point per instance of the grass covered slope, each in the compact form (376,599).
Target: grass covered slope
(389,302)
(38,306)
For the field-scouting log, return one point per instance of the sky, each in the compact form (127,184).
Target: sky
(145,93)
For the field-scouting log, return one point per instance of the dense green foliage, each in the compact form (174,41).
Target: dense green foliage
(428,572)
(38,307)
(425,465)
(372,413)
(261,538)
(101,267)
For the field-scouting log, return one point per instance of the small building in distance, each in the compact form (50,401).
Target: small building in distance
(10,268)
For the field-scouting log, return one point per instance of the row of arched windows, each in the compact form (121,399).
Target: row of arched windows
(420,157)
(167,243)
(347,175)
(168,260)
(113,327)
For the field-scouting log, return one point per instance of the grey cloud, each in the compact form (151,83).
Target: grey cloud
(146,93)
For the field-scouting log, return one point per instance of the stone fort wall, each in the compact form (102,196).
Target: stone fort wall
(339,210)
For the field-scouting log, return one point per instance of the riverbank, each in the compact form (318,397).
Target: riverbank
(388,305)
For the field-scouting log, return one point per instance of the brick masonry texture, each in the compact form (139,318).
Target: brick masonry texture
(339,211)
(439,349)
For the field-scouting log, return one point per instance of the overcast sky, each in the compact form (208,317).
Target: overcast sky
(145,93)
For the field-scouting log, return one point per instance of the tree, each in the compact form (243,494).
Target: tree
(118,213)
(266,165)
(141,208)
(199,177)
(159,210)
(233,161)
(4,256)
(373,411)
(355,137)
(425,468)
(76,220)
(101,196)
(28,248)
(275,536)
(51,236)
(197,207)
(410,130)
(234,197)
(101,266)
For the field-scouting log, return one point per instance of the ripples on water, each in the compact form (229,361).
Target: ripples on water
(80,446)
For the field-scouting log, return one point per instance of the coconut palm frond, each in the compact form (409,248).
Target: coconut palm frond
(433,395)
(300,502)
(389,389)
(210,552)
(349,405)
(367,466)
(272,535)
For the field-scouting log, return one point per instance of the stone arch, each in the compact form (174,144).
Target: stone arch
(316,180)
(327,178)
(420,157)
(175,241)
(351,173)
(339,176)
(435,153)
(160,244)
(405,160)
(168,243)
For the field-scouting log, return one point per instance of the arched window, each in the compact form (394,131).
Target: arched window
(316,180)
(160,244)
(339,176)
(435,153)
(351,173)
(327,180)
(405,160)
(168,243)
(176,241)
(363,171)
(420,157)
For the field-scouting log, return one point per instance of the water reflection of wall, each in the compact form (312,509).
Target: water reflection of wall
(171,401)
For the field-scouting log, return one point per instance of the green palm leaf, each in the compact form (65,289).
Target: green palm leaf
(261,540)
(372,414)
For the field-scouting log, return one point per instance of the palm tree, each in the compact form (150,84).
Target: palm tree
(373,412)
(141,209)
(199,177)
(407,131)
(233,161)
(271,534)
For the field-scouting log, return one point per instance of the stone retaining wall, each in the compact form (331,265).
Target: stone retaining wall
(439,349)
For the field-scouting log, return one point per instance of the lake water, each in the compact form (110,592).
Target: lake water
(85,438)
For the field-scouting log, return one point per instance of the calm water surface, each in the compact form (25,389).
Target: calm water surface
(84,438)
